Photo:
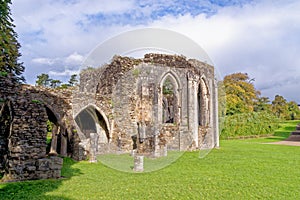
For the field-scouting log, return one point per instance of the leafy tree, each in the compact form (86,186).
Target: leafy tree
(46,81)
(294,111)
(9,46)
(64,86)
(73,80)
(262,104)
(221,99)
(280,107)
(55,83)
(241,95)
(43,80)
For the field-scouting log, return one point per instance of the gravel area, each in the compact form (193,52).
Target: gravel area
(293,140)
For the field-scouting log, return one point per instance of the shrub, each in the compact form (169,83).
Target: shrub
(247,124)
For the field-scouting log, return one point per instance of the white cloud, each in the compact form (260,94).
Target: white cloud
(260,38)
(74,59)
(63,73)
(43,61)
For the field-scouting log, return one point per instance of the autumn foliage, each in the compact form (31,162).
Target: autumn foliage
(247,113)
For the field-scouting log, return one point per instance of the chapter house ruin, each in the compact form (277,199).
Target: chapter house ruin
(149,106)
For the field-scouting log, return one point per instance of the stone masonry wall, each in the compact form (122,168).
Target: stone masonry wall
(7,91)
(59,101)
(128,93)
(26,138)
(128,99)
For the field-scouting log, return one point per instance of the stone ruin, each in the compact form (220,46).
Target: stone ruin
(144,106)
(23,132)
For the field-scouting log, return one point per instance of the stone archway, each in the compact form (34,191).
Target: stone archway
(57,140)
(169,102)
(90,120)
(5,124)
(203,103)
(205,138)
(169,108)
(93,124)
(57,104)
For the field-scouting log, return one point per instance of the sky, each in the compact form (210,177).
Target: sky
(257,37)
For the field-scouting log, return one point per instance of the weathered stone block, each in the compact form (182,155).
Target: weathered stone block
(31,168)
(41,175)
(55,174)
(43,164)
(16,149)
(138,163)
(56,163)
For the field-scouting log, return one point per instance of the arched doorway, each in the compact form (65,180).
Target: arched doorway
(57,135)
(91,120)
(53,131)
(5,123)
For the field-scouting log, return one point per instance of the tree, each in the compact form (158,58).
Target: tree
(9,46)
(241,95)
(64,86)
(293,109)
(262,104)
(280,107)
(55,83)
(73,80)
(43,80)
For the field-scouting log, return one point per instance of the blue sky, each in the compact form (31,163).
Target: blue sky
(261,38)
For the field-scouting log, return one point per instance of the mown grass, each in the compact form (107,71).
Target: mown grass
(285,128)
(240,169)
(125,162)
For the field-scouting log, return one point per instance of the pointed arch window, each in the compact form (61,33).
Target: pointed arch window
(169,100)
(203,103)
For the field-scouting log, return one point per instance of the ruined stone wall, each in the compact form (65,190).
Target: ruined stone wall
(5,120)
(7,91)
(128,94)
(24,155)
(27,142)
(60,102)
(104,88)
(136,100)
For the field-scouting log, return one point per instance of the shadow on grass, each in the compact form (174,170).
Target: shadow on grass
(38,189)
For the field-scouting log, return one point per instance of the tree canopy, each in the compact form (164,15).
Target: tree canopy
(247,113)
(9,45)
(241,95)
(73,80)
(45,81)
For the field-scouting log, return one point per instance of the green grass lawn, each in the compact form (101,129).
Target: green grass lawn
(125,163)
(240,169)
(286,128)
